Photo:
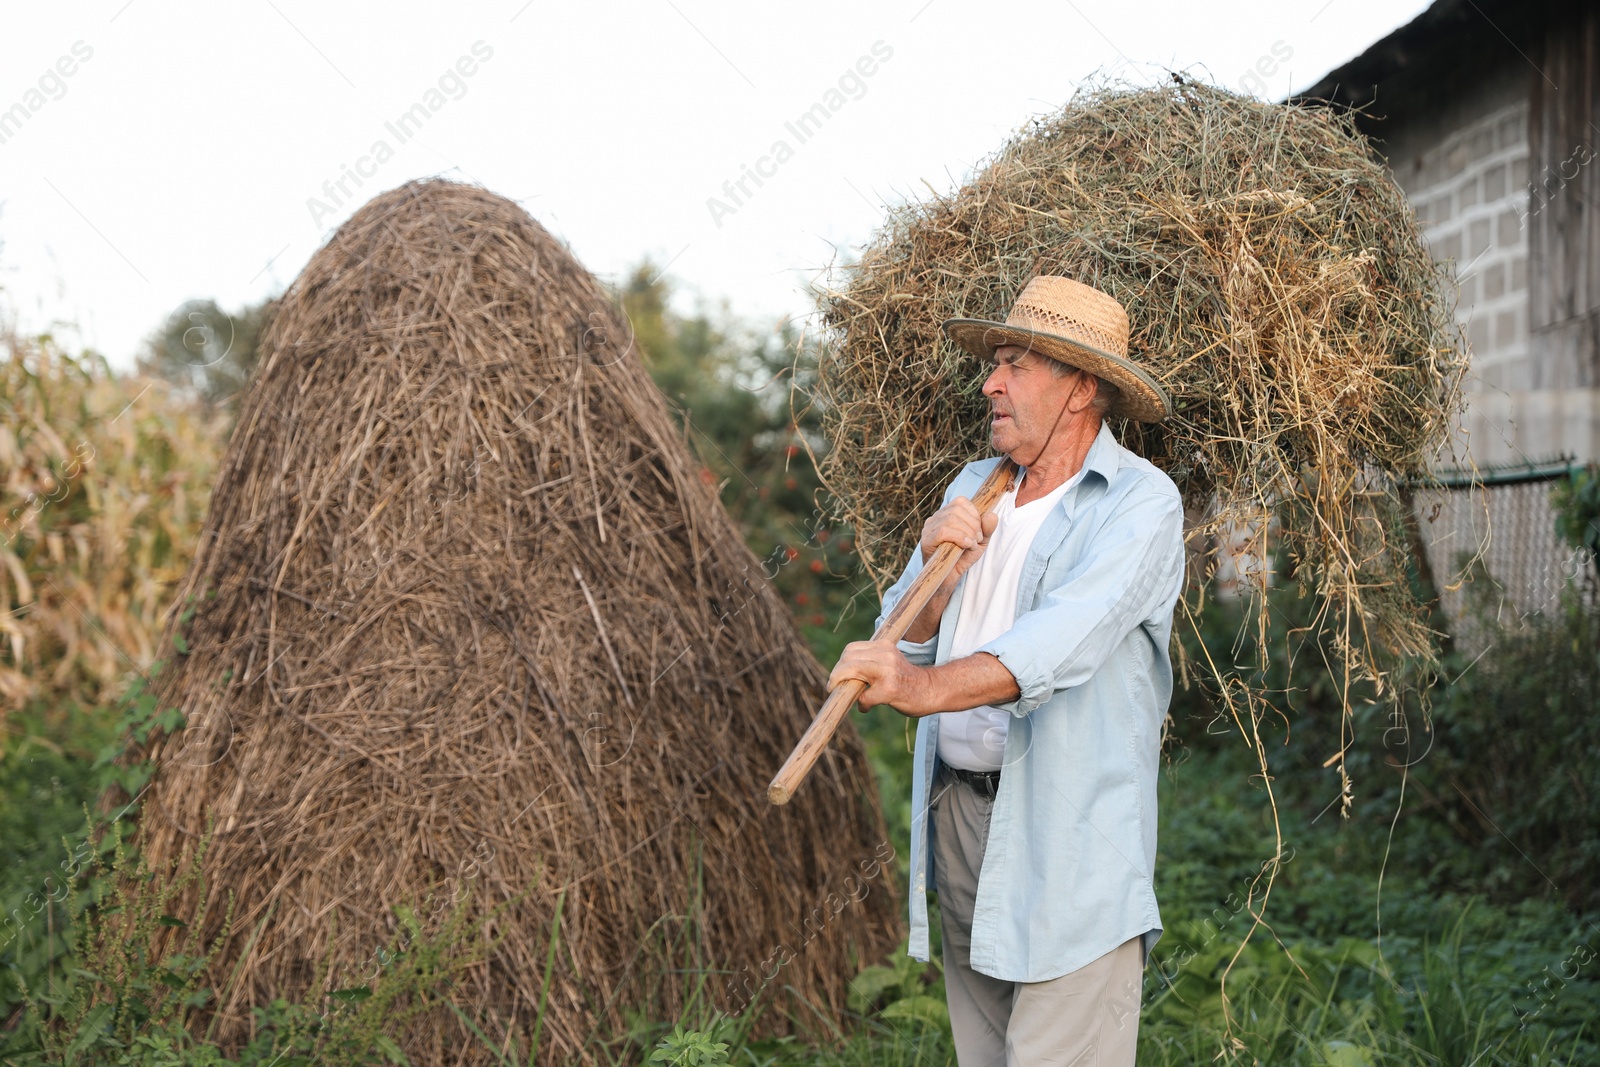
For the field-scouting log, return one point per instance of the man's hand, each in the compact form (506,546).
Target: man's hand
(891,679)
(958,523)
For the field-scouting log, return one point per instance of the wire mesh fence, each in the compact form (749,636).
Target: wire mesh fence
(1493,550)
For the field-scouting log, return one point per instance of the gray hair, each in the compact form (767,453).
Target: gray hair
(1105,393)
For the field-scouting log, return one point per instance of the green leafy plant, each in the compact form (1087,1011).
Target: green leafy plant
(1577,504)
(142,965)
(902,989)
(690,1048)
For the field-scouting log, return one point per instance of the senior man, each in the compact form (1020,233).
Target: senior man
(1039,677)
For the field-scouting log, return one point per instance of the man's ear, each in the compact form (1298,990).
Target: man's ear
(1083,389)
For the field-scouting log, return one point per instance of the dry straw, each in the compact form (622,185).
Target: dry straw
(468,623)
(1278,290)
(103,486)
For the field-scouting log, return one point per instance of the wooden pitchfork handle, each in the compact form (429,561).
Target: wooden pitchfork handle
(788,778)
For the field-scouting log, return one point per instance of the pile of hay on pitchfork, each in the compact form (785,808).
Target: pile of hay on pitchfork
(467,621)
(1277,288)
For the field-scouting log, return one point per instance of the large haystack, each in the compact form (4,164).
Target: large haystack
(1277,287)
(468,622)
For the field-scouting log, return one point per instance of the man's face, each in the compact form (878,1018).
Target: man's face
(1026,398)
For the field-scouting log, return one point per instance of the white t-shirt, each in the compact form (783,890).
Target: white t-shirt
(975,740)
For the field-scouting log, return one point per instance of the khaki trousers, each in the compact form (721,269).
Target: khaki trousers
(1088,1018)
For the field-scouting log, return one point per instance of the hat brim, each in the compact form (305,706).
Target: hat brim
(1140,397)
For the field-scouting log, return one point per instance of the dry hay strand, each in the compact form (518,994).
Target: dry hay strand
(467,625)
(1277,287)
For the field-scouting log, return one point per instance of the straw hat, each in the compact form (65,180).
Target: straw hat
(1078,325)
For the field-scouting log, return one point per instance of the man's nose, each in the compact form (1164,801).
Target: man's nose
(991,384)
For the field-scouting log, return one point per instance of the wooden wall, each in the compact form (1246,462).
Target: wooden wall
(1564,201)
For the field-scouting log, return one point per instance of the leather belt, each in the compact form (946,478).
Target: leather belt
(984,783)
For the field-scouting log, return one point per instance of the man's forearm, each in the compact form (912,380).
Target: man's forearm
(926,624)
(969,682)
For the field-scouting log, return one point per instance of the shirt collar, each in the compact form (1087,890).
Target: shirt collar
(1104,459)
(1105,455)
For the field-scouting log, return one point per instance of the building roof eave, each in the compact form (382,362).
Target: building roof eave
(1443,44)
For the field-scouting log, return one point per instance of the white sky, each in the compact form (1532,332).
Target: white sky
(177,161)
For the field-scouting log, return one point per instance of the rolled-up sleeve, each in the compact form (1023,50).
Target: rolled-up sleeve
(920,653)
(1132,570)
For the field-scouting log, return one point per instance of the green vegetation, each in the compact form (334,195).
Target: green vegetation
(730,386)
(1577,502)
(1451,918)
(103,957)
(206,350)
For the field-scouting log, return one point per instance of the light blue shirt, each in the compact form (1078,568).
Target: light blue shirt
(1068,874)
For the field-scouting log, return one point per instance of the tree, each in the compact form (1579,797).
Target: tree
(207,350)
(730,384)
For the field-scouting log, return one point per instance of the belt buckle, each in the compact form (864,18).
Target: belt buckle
(985,783)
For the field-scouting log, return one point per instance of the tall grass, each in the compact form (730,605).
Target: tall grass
(104,482)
